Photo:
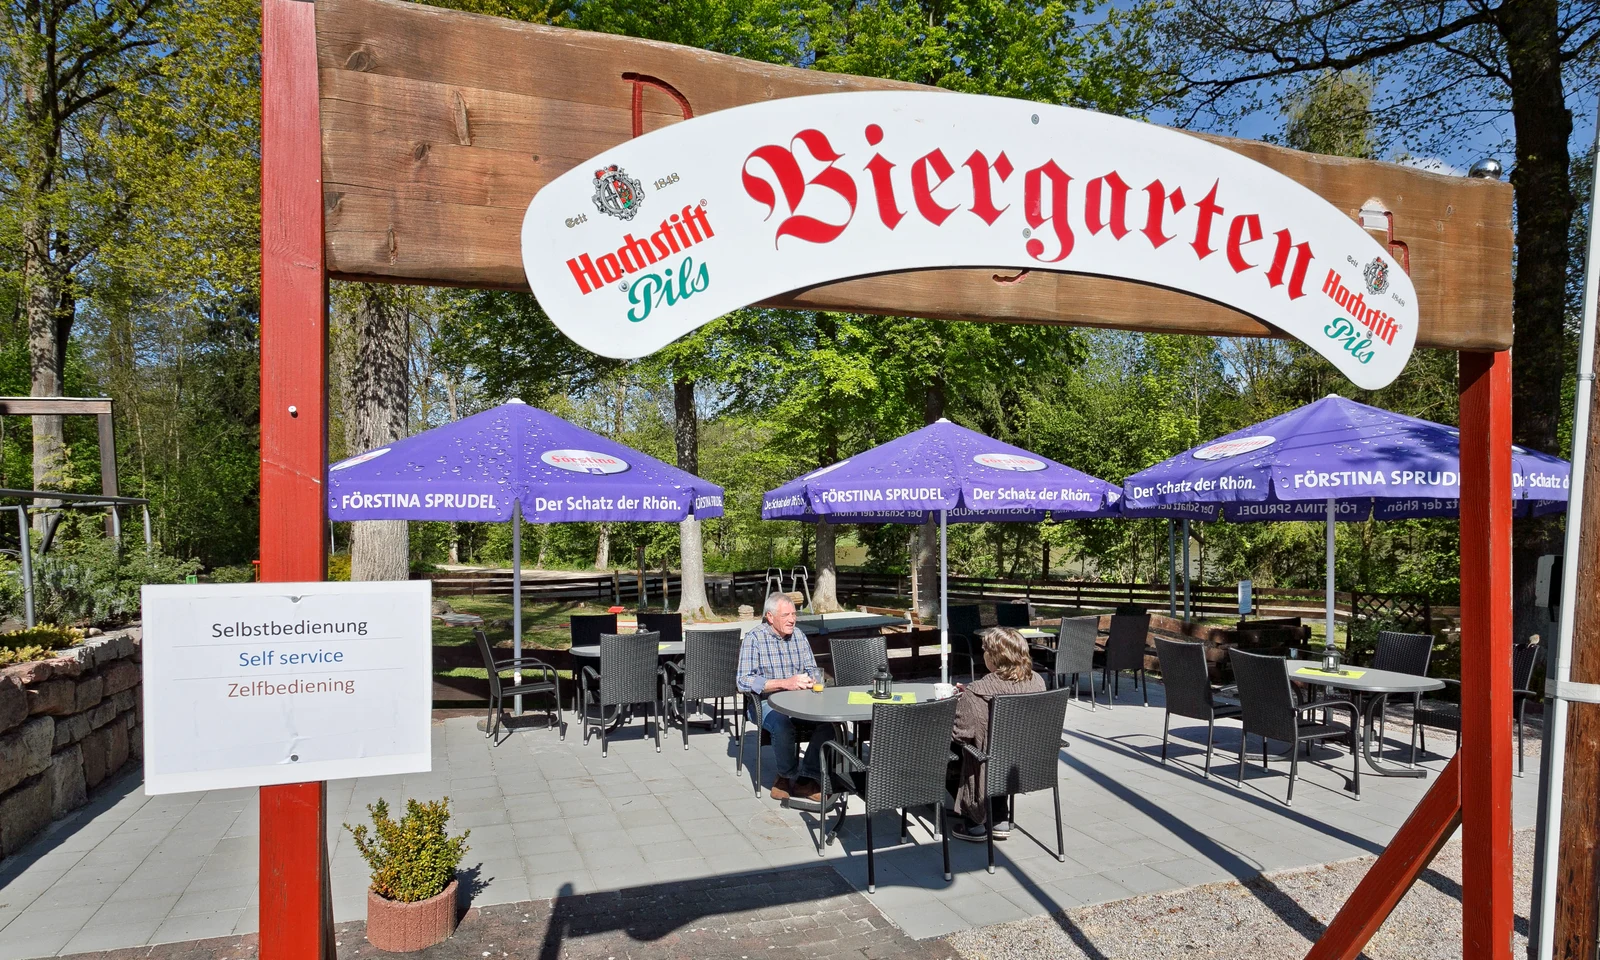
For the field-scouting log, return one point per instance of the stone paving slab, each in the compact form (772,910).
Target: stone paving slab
(551,817)
(801,914)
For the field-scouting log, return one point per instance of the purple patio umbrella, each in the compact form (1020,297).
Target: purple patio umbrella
(509,463)
(1336,459)
(944,469)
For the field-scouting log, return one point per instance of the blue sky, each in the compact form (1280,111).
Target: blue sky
(1490,140)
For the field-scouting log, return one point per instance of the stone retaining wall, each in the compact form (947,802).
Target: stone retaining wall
(66,725)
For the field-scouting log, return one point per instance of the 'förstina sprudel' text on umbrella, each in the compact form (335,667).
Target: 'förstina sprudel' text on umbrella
(486,501)
(937,493)
(413,501)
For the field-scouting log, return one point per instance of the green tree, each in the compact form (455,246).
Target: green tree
(1448,66)
(1331,113)
(1075,52)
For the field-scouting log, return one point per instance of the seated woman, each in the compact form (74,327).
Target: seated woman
(1010,666)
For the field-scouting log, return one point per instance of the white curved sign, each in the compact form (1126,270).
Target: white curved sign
(673,229)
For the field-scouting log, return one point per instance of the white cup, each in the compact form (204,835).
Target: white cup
(943,691)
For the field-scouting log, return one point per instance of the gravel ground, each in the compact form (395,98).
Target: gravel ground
(1274,916)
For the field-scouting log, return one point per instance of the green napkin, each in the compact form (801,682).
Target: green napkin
(863,698)
(1317,672)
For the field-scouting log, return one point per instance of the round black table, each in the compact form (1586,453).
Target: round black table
(833,704)
(592,650)
(1374,686)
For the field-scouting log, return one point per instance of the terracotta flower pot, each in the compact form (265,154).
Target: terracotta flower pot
(405,927)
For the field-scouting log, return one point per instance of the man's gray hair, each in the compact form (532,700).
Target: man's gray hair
(773,599)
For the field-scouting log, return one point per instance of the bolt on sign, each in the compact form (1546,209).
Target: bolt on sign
(253,684)
(666,232)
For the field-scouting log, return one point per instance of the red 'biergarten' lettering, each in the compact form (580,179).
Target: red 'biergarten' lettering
(1047,207)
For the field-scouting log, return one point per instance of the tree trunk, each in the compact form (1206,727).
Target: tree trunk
(380,397)
(825,592)
(927,561)
(692,602)
(602,552)
(46,349)
(1545,205)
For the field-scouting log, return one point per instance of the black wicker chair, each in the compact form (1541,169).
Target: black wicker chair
(966,625)
(1271,712)
(628,676)
(669,625)
(1447,716)
(1024,752)
(1402,653)
(587,628)
(1188,688)
(907,765)
(1125,650)
(1013,615)
(1073,655)
(856,660)
(708,673)
(548,681)
(750,712)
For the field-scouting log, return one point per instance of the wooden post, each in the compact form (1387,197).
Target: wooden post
(296,919)
(108,465)
(1577,912)
(1475,787)
(1486,655)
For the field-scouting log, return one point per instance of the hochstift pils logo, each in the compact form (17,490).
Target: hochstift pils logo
(617,193)
(1377,276)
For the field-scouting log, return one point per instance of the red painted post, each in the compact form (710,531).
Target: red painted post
(296,912)
(1475,788)
(1486,655)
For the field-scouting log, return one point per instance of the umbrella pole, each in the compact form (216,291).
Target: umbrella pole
(944,606)
(516,602)
(1333,506)
(1187,613)
(1172,570)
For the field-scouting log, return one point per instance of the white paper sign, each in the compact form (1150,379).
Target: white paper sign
(254,684)
(673,229)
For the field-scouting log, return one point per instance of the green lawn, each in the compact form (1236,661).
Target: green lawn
(544,624)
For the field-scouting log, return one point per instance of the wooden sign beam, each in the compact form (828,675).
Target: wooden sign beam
(438,127)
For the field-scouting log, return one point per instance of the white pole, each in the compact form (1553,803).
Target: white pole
(1172,570)
(1333,507)
(1187,613)
(944,606)
(516,601)
(26,556)
(1558,666)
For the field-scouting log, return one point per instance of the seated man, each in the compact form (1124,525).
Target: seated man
(774,656)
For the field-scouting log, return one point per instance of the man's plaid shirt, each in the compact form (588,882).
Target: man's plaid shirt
(764,655)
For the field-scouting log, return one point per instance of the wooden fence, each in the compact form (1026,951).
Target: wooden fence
(606,588)
(1406,611)
(1205,600)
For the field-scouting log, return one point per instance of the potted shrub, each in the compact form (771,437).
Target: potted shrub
(412,901)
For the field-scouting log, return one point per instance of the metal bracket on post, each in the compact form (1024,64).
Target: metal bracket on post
(1572,691)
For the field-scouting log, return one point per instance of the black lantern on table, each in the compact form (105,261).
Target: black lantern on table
(882,685)
(1330,658)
